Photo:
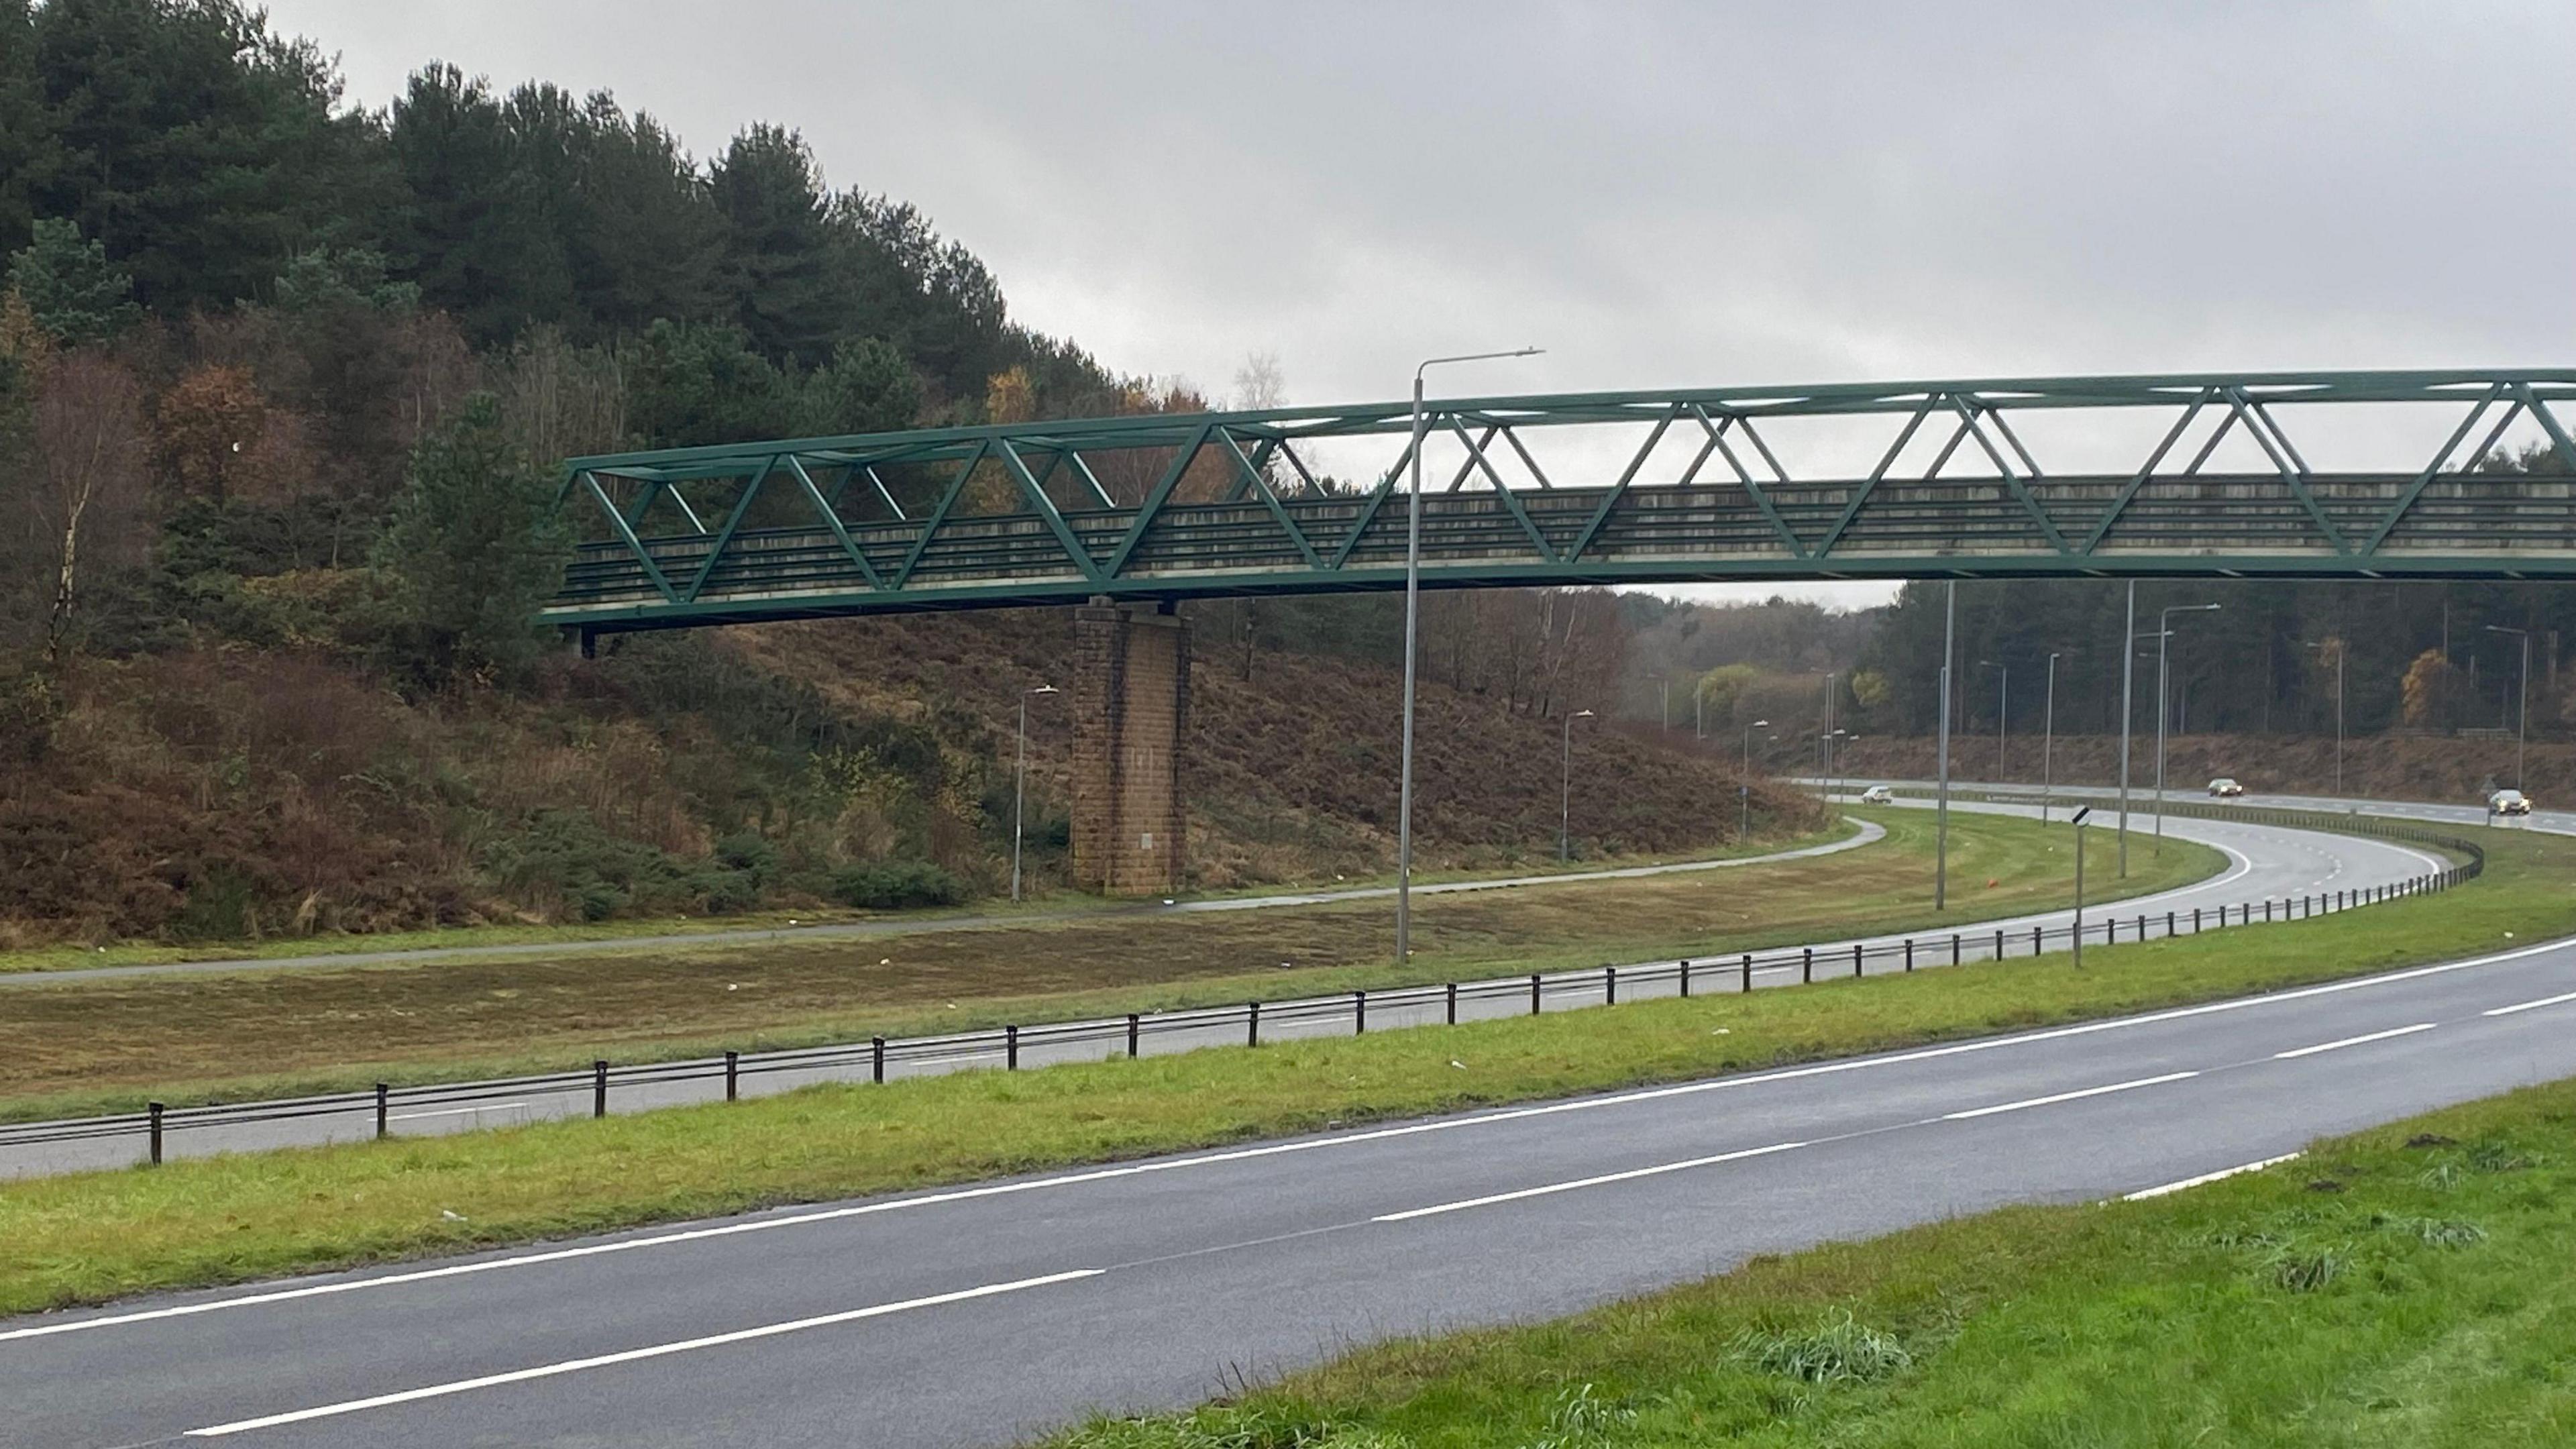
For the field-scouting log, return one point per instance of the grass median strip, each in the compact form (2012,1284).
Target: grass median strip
(70,1049)
(2409,1285)
(97,1236)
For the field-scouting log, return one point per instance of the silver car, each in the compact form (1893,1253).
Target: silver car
(2509,802)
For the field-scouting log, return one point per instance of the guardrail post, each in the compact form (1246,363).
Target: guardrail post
(876,1060)
(1132,1033)
(1999,945)
(1685,978)
(2169,925)
(1954,948)
(1807,965)
(1909,953)
(1453,1003)
(1359,1013)
(156,1109)
(2142,928)
(2034,940)
(1252,1018)
(1010,1048)
(384,1104)
(599,1089)
(2267,910)
(1610,986)
(733,1076)
(1748,972)
(1534,993)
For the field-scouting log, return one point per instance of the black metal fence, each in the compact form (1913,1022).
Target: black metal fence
(1411,1005)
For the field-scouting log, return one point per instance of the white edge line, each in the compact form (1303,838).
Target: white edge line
(454,1111)
(632,1355)
(1650,1094)
(2327,1046)
(2531,1005)
(2142,1194)
(2056,1097)
(1583,1182)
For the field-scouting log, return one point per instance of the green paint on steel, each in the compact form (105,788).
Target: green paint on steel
(1273,525)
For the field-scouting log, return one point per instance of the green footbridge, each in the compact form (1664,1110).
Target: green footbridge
(2177,476)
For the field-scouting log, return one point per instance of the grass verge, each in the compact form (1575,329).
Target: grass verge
(96,1236)
(75,1048)
(2409,1285)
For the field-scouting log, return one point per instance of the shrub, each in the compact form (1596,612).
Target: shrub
(895,884)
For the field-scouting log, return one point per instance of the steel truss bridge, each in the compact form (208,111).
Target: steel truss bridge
(1168,506)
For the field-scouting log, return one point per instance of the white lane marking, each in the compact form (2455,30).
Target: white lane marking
(2056,1097)
(2531,1005)
(2142,1194)
(1583,1182)
(454,1111)
(632,1355)
(1105,1174)
(2327,1046)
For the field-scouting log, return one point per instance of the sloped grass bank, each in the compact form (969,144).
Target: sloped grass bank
(78,1048)
(97,1236)
(2406,1286)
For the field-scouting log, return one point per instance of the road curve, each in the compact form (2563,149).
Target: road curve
(2265,863)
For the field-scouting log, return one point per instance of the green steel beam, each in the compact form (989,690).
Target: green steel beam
(1650,523)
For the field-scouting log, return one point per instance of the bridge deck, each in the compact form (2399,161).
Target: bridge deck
(792,541)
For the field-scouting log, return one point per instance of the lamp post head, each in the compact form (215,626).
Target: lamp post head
(1046,689)
(1580,714)
(1759,724)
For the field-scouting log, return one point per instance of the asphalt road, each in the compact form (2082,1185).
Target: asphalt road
(980,1315)
(2264,863)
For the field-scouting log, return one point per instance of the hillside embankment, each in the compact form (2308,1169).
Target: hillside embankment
(224,793)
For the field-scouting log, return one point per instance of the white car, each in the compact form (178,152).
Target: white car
(2509,802)
(1878,795)
(2224,788)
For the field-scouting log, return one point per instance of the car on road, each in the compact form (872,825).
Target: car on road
(1878,795)
(2224,788)
(2508,802)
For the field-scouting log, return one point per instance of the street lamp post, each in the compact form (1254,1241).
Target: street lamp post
(1664,705)
(1941,810)
(1744,784)
(2164,632)
(2522,711)
(2003,709)
(2128,711)
(1020,784)
(1412,640)
(2337,645)
(2048,743)
(1565,790)
(1828,734)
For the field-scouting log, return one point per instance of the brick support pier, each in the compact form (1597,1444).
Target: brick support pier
(1131,705)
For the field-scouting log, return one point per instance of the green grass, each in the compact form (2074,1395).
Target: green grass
(2407,1286)
(74,1048)
(95,1236)
(1054,904)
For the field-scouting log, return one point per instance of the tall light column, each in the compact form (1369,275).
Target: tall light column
(2048,742)
(2337,645)
(1744,784)
(2522,724)
(1020,784)
(1941,812)
(1565,789)
(1412,647)
(2128,669)
(2164,633)
(2003,709)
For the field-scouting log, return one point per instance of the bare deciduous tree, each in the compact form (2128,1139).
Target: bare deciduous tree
(92,452)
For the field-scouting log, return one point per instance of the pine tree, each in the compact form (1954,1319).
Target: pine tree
(70,287)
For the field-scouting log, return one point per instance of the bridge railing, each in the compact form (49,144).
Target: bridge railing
(1169,506)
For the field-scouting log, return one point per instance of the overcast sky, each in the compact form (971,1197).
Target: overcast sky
(1661,195)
